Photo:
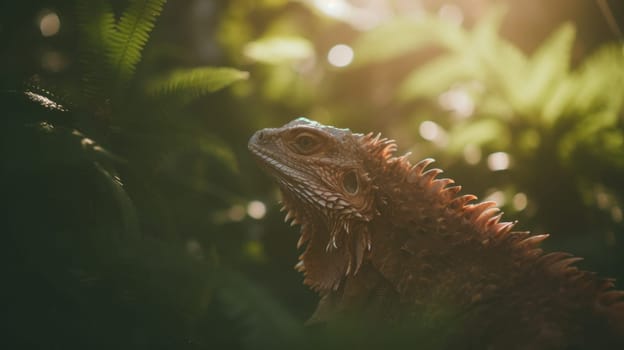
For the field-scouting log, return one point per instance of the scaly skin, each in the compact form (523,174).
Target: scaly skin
(387,240)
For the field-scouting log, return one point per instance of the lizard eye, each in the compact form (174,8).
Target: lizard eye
(306,143)
(350,182)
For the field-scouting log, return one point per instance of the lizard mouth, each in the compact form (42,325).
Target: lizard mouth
(268,162)
(286,176)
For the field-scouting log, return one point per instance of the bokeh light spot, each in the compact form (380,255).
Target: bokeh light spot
(429,130)
(53,61)
(498,197)
(520,201)
(472,154)
(498,161)
(602,199)
(49,24)
(236,213)
(256,209)
(457,101)
(340,55)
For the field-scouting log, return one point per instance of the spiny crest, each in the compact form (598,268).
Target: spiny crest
(485,216)
(377,147)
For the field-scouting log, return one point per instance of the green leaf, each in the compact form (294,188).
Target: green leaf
(96,22)
(548,65)
(585,130)
(560,100)
(435,77)
(278,50)
(133,31)
(480,132)
(502,63)
(194,82)
(582,93)
(504,66)
(601,72)
(486,29)
(404,35)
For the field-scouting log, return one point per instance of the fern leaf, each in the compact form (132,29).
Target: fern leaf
(408,35)
(97,24)
(549,65)
(490,131)
(194,82)
(603,71)
(133,31)
(582,93)
(435,77)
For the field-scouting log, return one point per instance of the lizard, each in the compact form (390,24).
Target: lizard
(389,240)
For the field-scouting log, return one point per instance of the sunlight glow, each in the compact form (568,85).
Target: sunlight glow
(340,55)
(519,201)
(256,209)
(333,8)
(276,50)
(361,15)
(452,14)
(498,161)
(49,24)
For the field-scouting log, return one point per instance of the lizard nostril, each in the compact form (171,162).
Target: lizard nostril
(260,135)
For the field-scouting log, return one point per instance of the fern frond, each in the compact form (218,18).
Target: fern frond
(602,71)
(133,31)
(547,67)
(194,82)
(97,24)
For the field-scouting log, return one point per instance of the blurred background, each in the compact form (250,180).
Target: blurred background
(135,218)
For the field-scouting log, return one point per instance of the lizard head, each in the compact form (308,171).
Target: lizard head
(320,167)
(326,187)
